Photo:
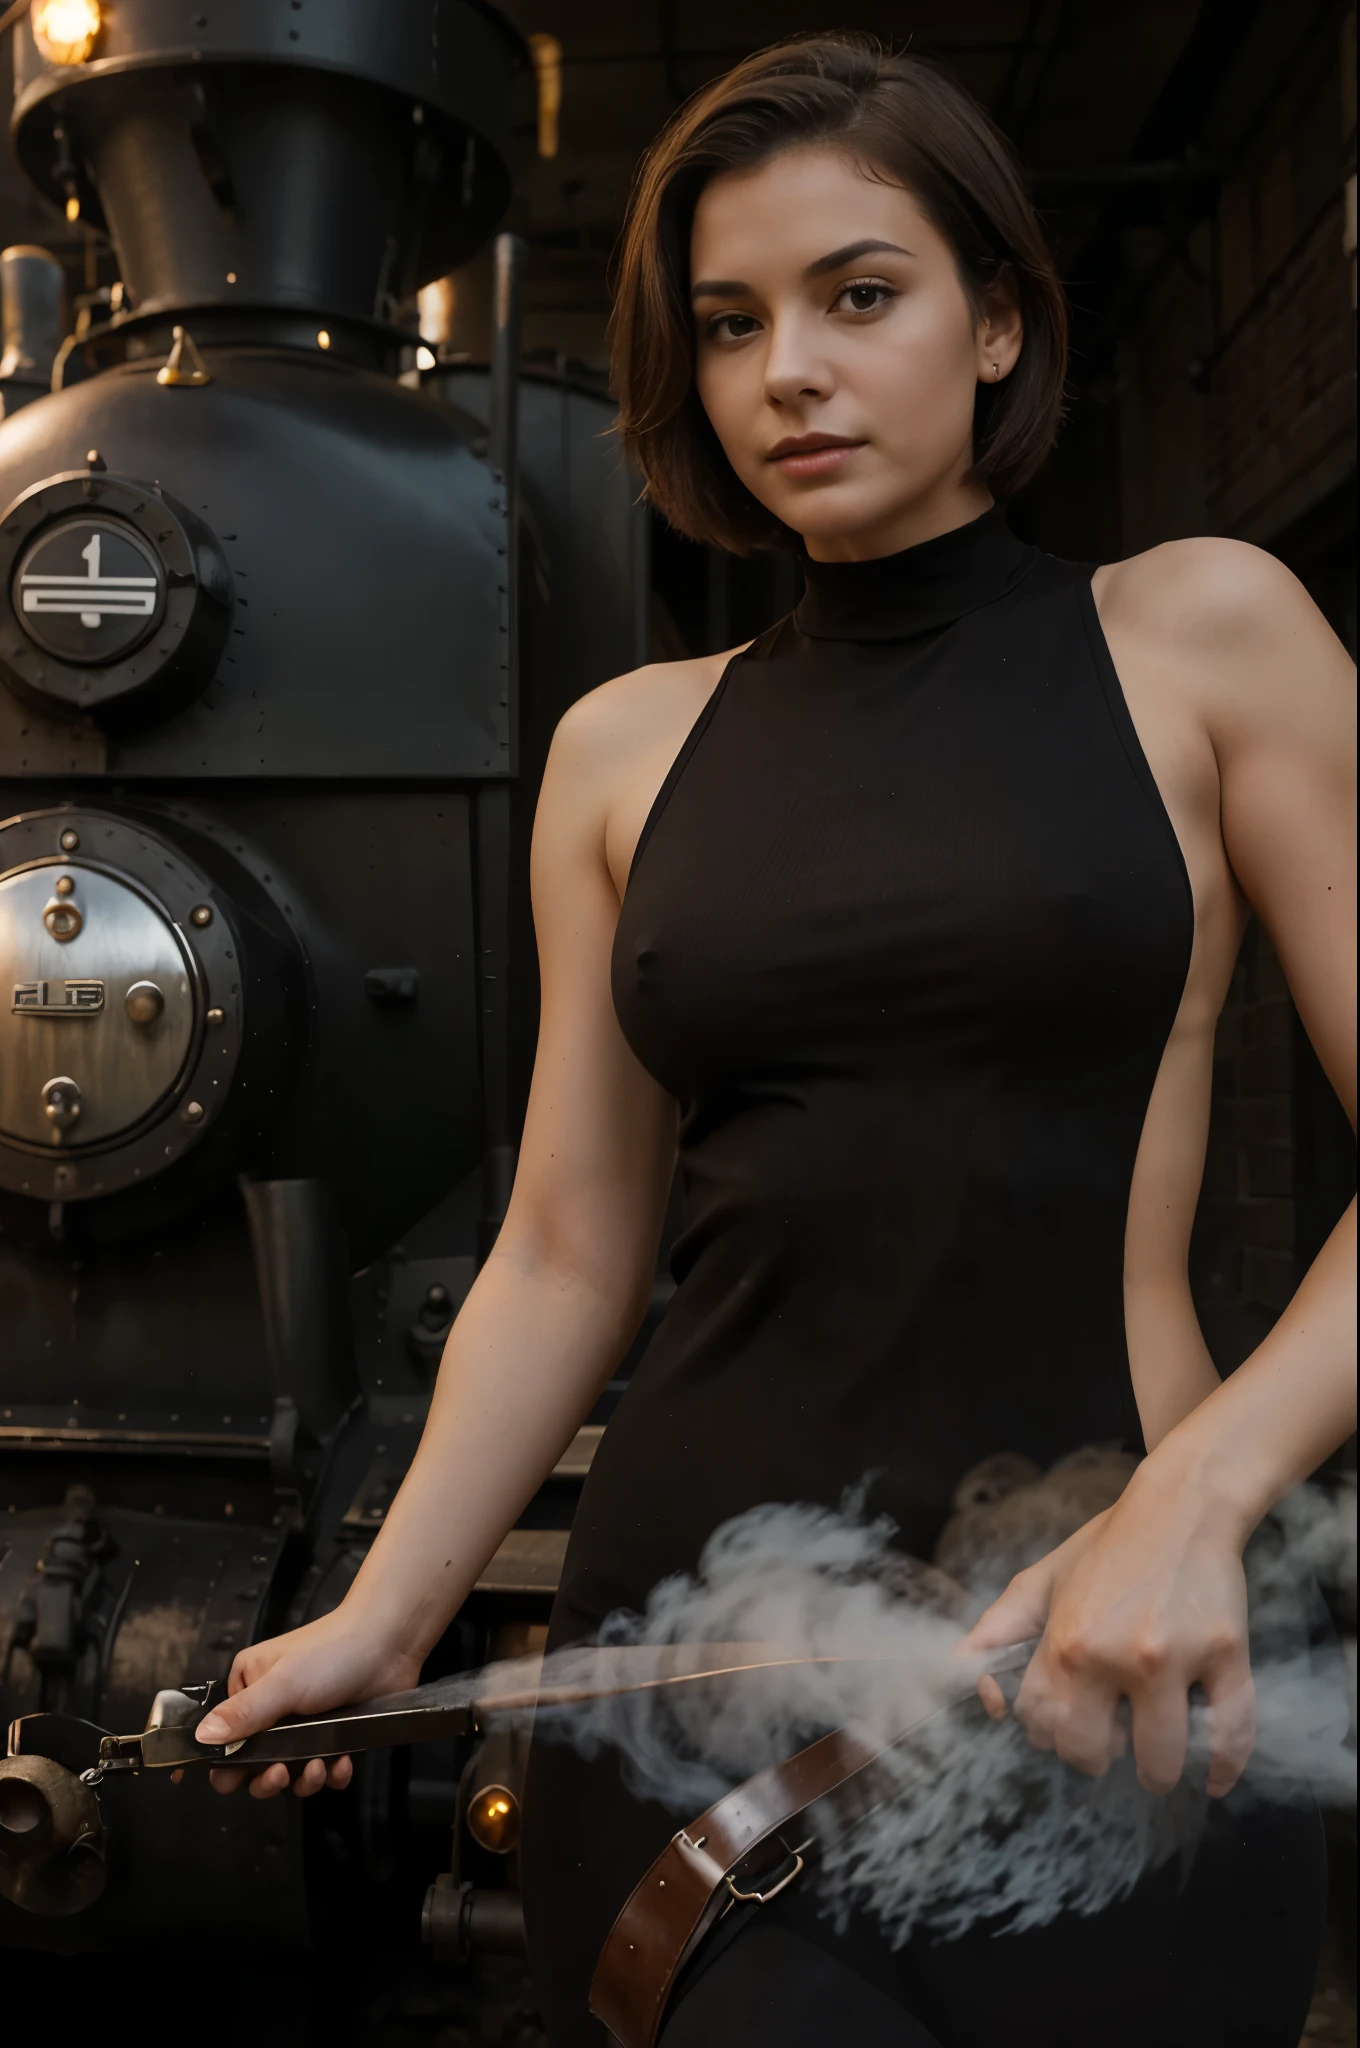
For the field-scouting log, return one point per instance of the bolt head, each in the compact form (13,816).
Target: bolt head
(216,1016)
(69,840)
(193,1112)
(201,915)
(65,885)
(144,1002)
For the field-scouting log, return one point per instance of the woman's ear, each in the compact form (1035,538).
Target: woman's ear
(1000,329)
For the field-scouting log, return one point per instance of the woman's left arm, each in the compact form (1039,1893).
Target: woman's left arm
(1150,1598)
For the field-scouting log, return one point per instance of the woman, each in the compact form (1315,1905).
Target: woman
(918,913)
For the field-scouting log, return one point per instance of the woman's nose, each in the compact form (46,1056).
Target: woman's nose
(794,366)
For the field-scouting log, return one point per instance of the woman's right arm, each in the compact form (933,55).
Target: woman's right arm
(550,1314)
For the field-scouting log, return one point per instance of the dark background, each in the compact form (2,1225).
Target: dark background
(1191,163)
(1195,167)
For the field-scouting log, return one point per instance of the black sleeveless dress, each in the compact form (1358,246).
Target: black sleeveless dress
(905,934)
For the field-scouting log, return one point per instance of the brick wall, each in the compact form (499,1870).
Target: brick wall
(1280,404)
(1235,390)
(1236,383)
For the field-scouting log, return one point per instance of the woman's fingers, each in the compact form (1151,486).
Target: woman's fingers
(1161,1732)
(1084,1733)
(992,1697)
(1231,1701)
(1072,1713)
(1018,1614)
(253,1707)
(267,1784)
(1090,1724)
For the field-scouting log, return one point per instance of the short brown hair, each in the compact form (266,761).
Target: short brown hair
(906,119)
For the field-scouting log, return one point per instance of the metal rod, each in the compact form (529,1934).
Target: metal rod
(492,804)
(457,1707)
(507,301)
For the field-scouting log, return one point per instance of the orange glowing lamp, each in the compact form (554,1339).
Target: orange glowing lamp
(66,31)
(493,1819)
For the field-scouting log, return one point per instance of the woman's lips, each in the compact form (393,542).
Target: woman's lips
(815,461)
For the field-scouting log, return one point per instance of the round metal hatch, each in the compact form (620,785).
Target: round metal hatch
(114,599)
(98,1006)
(88,591)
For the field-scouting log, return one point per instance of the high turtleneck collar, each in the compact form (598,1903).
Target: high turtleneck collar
(895,597)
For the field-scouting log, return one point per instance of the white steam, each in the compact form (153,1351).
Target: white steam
(972,1823)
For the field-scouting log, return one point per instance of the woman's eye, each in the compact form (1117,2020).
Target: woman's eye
(865,298)
(733,326)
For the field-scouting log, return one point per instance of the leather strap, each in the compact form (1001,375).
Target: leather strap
(714,1862)
(698,1875)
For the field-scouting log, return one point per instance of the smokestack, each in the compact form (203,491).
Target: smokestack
(267,173)
(31,292)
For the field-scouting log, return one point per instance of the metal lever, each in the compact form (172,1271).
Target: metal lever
(52,1847)
(449,1709)
(170,1742)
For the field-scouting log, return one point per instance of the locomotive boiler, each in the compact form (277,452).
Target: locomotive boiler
(285,626)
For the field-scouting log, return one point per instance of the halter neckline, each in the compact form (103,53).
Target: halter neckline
(918,590)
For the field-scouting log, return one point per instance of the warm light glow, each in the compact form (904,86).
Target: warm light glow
(323,339)
(425,358)
(493,1819)
(438,309)
(65,31)
(73,208)
(546,52)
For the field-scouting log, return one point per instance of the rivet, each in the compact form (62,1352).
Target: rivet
(216,1016)
(65,885)
(193,1112)
(143,1002)
(201,915)
(69,840)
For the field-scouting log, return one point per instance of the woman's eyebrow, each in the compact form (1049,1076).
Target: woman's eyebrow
(851,253)
(719,288)
(733,288)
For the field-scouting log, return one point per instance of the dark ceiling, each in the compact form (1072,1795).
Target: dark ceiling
(1115,106)
(1072,81)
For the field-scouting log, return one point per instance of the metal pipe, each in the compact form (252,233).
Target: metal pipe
(493,798)
(32,289)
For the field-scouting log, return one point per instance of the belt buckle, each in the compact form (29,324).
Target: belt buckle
(797,1862)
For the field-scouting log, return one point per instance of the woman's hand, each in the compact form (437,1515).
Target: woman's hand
(329,1663)
(1141,1604)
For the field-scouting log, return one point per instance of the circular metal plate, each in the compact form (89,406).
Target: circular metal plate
(88,590)
(67,1013)
(101,538)
(137,894)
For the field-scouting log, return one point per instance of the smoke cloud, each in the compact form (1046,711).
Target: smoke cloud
(972,1822)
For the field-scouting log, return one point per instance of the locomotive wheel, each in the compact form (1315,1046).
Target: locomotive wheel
(52,1846)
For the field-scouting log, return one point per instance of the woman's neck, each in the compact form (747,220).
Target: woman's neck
(957,504)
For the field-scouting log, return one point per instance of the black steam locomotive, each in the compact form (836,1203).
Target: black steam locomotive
(285,625)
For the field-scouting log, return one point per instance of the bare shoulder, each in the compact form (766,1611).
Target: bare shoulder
(1204,593)
(615,742)
(1230,625)
(612,723)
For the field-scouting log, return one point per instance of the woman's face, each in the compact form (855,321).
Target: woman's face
(838,354)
